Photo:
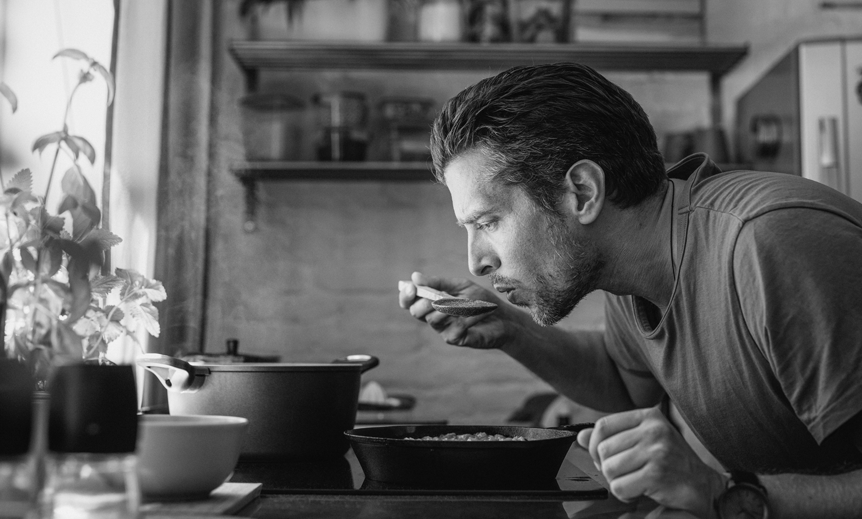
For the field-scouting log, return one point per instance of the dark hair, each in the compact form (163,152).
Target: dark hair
(534,122)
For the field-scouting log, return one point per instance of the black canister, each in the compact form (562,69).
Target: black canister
(92,435)
(17,475)
(93,409)
(16,408)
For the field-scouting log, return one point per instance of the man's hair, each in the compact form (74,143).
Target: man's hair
(535,122)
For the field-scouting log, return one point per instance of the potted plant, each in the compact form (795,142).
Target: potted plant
(58,305)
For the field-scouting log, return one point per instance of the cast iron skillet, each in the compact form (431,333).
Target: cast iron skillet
(386,456)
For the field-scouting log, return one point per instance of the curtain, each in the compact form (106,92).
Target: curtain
(184,179)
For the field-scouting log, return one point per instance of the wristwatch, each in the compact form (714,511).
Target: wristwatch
(744,498)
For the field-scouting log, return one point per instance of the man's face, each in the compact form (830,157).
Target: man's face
(538,260)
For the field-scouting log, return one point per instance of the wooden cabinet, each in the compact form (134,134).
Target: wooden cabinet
(256,56)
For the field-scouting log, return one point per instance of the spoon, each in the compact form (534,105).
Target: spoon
(451,305)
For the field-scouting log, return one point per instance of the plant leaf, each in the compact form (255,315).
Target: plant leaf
(75,184)
(79,282)
(132,279)
(148,315)
(72,53)
(103,285)
(85,217)
(66,343)
(28,260)
(109,79)
(83,145)
(51,138)
(21,182)
(154,290)
(51,225)
(50,258)
(104,238)
(10,96)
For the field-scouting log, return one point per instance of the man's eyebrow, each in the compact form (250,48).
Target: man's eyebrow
(471,218)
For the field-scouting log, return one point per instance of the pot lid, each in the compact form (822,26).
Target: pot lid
(279,367)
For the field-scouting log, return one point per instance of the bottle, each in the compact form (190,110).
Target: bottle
(92,434)
(17,476)
(440,21)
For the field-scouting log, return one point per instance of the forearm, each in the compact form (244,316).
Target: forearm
(798,496)
(576,364)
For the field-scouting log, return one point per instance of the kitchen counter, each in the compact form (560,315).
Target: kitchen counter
(330,494)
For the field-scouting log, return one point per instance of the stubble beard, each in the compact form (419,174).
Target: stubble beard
(574,274)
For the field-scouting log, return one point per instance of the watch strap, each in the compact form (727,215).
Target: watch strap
(749,478)
(742,479)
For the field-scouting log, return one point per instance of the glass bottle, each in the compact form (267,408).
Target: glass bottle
(92,435)
(17,478)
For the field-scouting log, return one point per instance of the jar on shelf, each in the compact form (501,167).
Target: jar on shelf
(408,125)
(342,121)
(272,126)
(488,21)
(440,21)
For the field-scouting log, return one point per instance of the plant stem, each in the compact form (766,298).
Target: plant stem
(38,289)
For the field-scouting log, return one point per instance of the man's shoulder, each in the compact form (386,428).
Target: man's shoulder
(747,194)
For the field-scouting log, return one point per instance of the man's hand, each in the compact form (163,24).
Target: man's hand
(641,453)
(483,331)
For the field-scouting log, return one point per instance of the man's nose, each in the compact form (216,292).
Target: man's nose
(481,258)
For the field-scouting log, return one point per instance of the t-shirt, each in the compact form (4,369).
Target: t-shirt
(760,347)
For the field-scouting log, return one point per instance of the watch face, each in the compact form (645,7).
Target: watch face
(742,502)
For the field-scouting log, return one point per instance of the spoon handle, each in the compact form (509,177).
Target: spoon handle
(431,294)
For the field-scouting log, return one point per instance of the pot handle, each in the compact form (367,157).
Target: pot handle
(175,374)
(367,361)
(575,427)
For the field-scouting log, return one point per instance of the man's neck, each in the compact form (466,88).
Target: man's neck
(637,247)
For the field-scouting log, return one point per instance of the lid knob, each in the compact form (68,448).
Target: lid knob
(232,346)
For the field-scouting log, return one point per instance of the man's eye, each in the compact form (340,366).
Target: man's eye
(485,226)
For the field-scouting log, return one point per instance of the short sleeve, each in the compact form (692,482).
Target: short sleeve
(622,340)
(798,276)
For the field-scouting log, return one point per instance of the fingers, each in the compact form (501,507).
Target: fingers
(609,426)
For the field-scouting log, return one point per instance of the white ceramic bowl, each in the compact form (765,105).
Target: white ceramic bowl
(186,457)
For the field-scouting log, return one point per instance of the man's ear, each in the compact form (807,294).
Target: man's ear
(585,190)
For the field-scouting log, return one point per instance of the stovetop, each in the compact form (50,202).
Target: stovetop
(344,476)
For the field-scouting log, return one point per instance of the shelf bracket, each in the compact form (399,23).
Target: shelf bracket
(251,199)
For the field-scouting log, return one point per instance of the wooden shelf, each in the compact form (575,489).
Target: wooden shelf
(255,56)
(251,173)
(324,171)
(303,55)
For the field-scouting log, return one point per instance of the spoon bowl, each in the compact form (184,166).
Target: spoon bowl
(455,306)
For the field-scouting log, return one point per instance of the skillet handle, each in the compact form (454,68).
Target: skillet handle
(575,427)
(175,374)
(367,361)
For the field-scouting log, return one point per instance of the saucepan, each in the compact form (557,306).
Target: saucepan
(399,455)
(296,411)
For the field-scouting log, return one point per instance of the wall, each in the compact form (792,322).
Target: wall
(318,279)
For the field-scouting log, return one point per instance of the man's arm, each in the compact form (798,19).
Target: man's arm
(792,496)
(578,366)
(575,363)
(798,496)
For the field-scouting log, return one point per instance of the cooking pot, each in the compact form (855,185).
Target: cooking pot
(386,455)
(296,411)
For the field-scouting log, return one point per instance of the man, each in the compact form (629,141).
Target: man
(735,296)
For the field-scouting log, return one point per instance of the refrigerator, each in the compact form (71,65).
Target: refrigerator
(804,115)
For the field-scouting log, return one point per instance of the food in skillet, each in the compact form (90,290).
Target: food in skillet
(475,437)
